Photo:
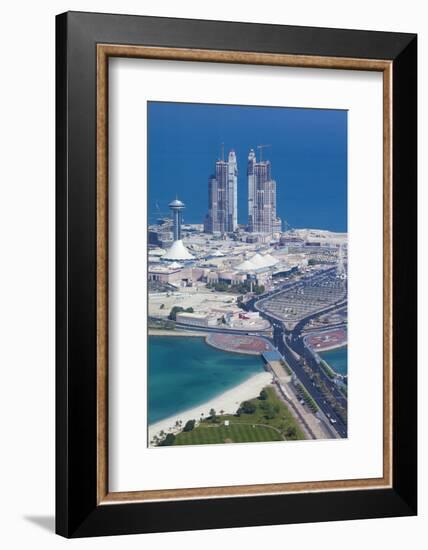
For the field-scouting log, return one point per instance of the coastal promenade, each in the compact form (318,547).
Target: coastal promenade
(313,426)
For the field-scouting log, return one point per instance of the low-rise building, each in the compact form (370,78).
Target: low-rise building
(166,274)
(196,319)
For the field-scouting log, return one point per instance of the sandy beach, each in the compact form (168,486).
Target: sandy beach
(228,401)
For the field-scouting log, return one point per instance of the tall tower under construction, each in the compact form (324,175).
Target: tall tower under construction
(262,216)
(251,186)
(222,214)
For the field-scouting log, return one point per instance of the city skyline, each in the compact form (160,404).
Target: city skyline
(265,305)
(185,140)
(222,212)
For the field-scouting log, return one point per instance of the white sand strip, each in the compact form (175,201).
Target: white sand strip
(228,401)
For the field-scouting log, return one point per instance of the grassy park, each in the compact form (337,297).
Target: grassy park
(234,433)
(265,418)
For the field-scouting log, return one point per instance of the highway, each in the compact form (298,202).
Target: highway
(289,341)
(224,330)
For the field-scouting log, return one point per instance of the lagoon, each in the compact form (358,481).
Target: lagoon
(186,372)
(337,359)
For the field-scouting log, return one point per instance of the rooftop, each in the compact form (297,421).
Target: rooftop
(177,251)
(176,204)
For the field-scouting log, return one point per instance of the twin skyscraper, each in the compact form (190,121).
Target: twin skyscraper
(222,214)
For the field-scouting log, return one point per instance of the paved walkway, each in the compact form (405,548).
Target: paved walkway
(313,427)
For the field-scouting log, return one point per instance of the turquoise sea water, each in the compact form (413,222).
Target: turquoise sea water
(337,359)
(186,372)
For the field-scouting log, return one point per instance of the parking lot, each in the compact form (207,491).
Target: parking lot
(303,300)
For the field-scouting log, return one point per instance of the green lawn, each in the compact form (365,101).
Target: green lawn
(271,421)
(234,433)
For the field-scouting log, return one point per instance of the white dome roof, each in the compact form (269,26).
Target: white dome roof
(176,203)
(177,251)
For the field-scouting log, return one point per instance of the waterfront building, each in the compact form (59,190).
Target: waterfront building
(222,214)
(262,216)
(202,319)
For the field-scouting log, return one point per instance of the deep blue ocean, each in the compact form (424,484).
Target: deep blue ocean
(308,152)
(186,372)
(337,359)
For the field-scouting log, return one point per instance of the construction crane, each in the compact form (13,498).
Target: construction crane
(261,147)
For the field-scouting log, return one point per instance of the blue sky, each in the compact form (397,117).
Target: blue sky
(308,156)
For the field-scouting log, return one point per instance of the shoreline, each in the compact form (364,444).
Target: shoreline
(176,333)
(330,348)
(227,350)
(336,348)
(228,401)
(208,338)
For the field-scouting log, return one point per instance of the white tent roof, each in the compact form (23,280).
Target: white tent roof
(258,260)
(270,260)
(177,251)
(246,266)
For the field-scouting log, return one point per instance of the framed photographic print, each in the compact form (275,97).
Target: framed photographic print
(236,274)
